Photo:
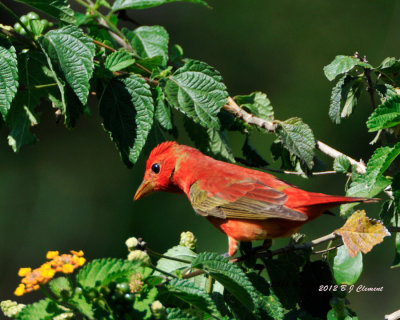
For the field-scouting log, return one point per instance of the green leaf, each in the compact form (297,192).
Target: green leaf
(142,305)
(390,65)
(251,154)
(80,302)
(297,138)
(345,93)
(386,115)
(197,90)
(72,52)
(372,182)
(8,76)
(341,164)
(178,314)
(346,270)
(188,292)
(352,98)
(209,141)
(61,286)
(258,104)
(100,272)
(396,260)
(119,60)
(229,275)
(343,64)
(58,9)
(149,42)
(44,309)
(126,106)
(144,4)
(179,252)
(34,73)
(385,91)
(163,111)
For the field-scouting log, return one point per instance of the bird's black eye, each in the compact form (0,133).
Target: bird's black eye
(155,168)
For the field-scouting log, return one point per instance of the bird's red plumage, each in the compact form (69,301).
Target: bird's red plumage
(183,166)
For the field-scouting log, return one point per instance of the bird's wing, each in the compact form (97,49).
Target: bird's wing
(251,200)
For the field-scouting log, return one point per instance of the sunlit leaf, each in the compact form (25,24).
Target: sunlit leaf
(361,234)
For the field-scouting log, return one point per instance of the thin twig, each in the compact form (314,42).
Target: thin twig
(333,153)
(100,44)
(393,316)
(367,72)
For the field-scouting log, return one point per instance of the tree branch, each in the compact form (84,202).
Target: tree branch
(393,316)
(270,126)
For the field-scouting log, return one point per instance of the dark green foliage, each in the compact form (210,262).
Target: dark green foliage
(143,88)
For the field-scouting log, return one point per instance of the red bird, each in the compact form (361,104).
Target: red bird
(243,203)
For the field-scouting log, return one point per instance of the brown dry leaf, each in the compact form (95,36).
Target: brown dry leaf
(361,233)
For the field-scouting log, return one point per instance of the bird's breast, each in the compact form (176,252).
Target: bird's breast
(250,230)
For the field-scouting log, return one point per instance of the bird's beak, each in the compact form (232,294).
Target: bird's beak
(144,189)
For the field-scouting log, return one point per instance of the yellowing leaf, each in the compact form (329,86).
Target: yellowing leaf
(361,233)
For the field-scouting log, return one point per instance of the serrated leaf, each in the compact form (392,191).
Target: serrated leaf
(163,111)
(257,103)
(386,115)
(188,292)
(60,286)
(58,9)
(142,305)
(251,154)
(8,76)
(372,181)
(180,252)
(346,269)
(178,314)
(144,4)
(390,65)
(361,234)
(100,272)
(197,90)
(73,52)
(352,98)
(126,106)
(149,42)
(385,91)
(345,95)
(33,72)
(297,137)
(80,302)
(343,64)
(229,275)
(119,60)
(341,164)
(209,141)
(44,309)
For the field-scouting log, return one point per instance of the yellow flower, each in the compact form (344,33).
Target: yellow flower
(77,253)
(67,268)
(81,261)
(20,290)
(33,279)
(22,272)
(51,254)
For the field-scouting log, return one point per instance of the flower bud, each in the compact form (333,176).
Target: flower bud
(11,308)
(131,243)
(157,309)
(188,240)
(139,256)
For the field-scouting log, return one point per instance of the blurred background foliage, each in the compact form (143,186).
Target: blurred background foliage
(72,191)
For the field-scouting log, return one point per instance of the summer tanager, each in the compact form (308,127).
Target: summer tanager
(243,203)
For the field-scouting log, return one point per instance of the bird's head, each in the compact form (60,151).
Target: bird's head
(159,169)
